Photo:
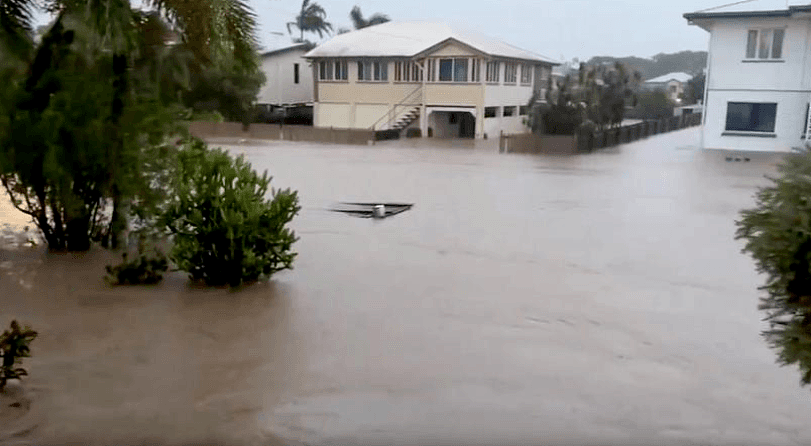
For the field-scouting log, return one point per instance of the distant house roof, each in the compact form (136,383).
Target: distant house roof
(297,46)
(409,39)
(752,8)
(679,77)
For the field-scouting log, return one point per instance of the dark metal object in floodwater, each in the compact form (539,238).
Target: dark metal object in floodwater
(372,210)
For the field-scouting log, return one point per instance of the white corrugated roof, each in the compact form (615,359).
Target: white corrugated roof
(406,39)
(679,76)
(753,6)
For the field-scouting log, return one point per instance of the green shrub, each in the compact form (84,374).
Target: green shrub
(145,269)
(778,236)
(13,347)
(225,231)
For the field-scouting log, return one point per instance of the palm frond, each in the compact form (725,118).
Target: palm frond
(213,26)
(16,27)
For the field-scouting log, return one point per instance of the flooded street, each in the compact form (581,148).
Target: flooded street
(525,299)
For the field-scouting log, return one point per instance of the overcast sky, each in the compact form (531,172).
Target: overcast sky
(554,28)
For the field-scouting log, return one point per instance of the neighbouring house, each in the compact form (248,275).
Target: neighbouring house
(758,83)
(673,84)
(685,110)
(288,88)
(429,76)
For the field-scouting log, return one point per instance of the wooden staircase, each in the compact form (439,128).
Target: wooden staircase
(402,114)
(406,119)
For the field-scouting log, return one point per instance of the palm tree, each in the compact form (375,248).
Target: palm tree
(311,19)
(360,22)
(109,42)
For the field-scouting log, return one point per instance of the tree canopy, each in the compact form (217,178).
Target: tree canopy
(360,22)
(311,19)
(88,108)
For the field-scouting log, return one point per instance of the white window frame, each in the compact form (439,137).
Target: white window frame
(472,70)
(325,70)
(373,70)
(510,73)
(407,71)
(757,53)
(341,70)
(493,72)
(526,74)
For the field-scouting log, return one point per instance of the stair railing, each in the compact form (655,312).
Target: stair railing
(391,114)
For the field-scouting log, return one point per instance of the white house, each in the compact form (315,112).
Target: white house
(758,77)
(289,78)
(672,83)
(443,81)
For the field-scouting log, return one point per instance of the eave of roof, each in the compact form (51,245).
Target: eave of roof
(397,40)
(302,46)
(709,14)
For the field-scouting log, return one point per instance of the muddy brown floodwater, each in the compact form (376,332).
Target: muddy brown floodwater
(597,299)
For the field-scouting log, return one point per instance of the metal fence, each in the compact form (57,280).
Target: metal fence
(590,141)
(587,141)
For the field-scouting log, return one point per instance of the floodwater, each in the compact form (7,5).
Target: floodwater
(525,299)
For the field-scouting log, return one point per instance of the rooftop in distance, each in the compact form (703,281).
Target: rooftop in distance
(409,39)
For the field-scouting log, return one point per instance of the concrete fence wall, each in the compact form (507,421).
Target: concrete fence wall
(281,132)
(587,141)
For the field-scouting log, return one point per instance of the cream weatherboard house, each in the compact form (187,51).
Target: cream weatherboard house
(445,82)
(758,75)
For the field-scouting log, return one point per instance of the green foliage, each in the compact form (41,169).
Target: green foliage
(225,231)
(14,345)
(147,268)
(562,119)
(695,89)
(312,19)
(653,105)
(777,232)
(226,88)
(360,22)
(87,112)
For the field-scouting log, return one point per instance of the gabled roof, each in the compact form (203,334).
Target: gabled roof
(678,76)
(752,8)
(297,46)
(408,39)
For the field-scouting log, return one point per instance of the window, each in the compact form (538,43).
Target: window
(509,111)
(373,71)
(431,70)
(493,69)
(751,117)
(510,70)
(765,43)
(407,72)
(523,110)
(325,70)
(526,74)
(295,73)
(445,70)
(460,70)
(341,71)
(490,112)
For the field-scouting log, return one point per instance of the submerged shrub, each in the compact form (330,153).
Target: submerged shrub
(146,269)
(225,232)
(13,347)
(777,232)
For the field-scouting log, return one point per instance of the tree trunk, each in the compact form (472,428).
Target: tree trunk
(78,233)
